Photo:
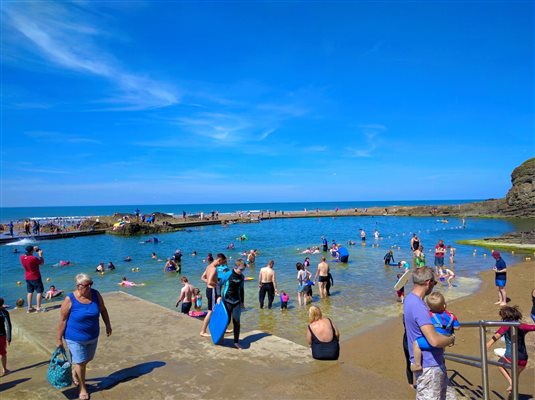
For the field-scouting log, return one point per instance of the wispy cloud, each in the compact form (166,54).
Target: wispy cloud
(288,110)
(266,134)
(374,48)
(53,171)
(48,29)
(315,149)
(369,138)
(57,137)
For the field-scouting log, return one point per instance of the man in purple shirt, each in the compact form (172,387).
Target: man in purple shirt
(432,380)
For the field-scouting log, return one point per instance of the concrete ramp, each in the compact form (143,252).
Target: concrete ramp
(156,353)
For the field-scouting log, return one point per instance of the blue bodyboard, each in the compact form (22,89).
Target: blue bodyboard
(218,322)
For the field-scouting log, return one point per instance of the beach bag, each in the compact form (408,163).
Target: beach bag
(59,370)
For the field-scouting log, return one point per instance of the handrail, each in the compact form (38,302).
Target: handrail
(483,362)
(477,324)
(458,357)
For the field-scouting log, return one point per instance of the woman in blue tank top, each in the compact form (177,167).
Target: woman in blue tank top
(79,325)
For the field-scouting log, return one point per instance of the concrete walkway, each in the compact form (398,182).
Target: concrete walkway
(155,353)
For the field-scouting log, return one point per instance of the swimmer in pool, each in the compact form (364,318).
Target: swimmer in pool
(52,293)
(127,283)
(100,268)
(170,265)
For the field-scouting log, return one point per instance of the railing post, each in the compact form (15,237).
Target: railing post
(484,366)
(514,360)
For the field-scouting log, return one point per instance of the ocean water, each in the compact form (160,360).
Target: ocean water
(17,213)
(362,295)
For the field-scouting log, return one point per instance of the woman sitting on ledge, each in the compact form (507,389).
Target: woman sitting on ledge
(322,336)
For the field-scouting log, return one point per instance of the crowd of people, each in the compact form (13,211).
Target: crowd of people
(429,325)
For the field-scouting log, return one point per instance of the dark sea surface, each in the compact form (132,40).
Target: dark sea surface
(16,213)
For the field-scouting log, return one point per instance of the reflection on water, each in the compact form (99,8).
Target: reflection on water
(362,294)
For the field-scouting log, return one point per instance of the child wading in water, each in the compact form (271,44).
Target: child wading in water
(197,299)
(443,321)
(284,300)
(512,314)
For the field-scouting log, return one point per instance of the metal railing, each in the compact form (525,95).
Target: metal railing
(483,361)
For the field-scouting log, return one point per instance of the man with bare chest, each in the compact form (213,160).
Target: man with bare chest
(322,277)
(267,284)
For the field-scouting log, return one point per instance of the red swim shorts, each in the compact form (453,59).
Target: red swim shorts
(521,363)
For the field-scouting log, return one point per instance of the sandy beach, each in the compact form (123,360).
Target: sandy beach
(379,350)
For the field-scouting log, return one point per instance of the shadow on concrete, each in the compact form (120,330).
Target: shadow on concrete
(54,307)
(126,374)
(31,366)
(464,388)
(12,384)
(246,341)
(112,380)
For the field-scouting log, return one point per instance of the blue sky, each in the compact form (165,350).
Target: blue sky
(217,102)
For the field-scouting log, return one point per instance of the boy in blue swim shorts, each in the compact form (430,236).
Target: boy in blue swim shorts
(501,277)
(443,321)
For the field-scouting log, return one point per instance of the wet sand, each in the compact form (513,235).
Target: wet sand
(380,349)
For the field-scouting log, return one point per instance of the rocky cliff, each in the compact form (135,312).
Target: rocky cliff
(520,200)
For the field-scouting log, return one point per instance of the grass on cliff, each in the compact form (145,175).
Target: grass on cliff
(497,245)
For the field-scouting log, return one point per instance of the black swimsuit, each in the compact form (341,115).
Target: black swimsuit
(325,350)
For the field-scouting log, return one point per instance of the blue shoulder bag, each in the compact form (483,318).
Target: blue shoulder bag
(59,371)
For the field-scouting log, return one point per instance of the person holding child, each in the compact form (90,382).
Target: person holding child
(431,380)
(302,279)
(443,321)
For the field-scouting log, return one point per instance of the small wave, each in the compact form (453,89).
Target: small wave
(22,242)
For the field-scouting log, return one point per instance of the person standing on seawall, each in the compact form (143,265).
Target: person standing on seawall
(32,274)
